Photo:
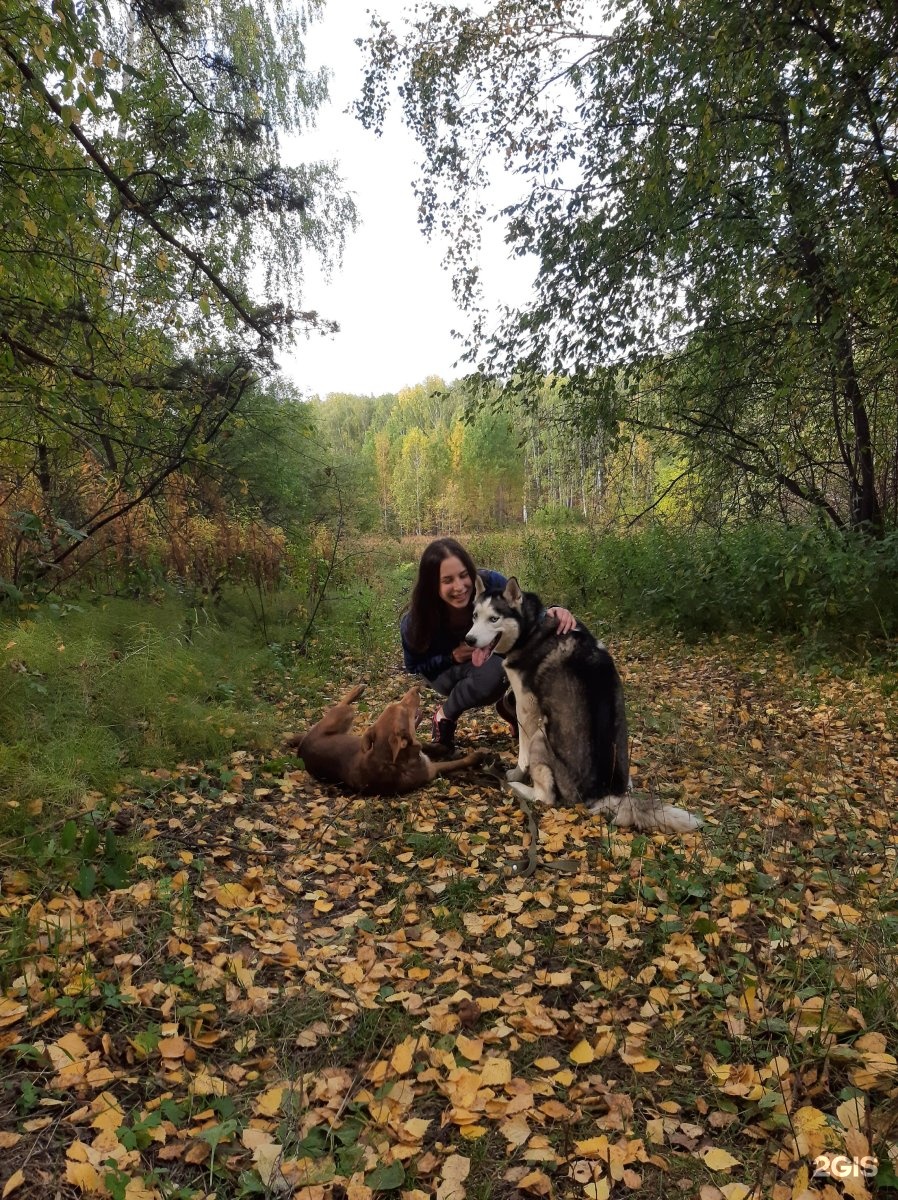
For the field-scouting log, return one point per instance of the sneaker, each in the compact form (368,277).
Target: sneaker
(442,730)
(506,707)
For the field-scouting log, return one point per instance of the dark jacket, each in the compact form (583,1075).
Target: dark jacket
(437,657)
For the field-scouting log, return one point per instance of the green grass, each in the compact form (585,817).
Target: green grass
(92,692)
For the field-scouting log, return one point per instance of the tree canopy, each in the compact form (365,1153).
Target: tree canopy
(711,196)
(152,243)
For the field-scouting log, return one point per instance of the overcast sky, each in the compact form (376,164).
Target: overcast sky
(392,298)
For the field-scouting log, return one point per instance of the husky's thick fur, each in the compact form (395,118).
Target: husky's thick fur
(570,709)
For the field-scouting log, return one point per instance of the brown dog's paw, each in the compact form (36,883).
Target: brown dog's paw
(292,742)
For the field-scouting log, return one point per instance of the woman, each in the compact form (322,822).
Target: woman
(433,630)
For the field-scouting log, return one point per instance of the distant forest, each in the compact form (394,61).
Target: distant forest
(430,460)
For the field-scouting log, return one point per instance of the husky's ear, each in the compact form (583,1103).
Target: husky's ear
(513,593)
(479,586)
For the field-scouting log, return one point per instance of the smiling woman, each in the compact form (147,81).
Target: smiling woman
(433,631)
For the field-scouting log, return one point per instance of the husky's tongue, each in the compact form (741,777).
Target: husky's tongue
(481,654)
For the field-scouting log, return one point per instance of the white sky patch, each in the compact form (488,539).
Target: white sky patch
(392,298)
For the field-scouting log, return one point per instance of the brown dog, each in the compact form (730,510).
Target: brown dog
(386,759)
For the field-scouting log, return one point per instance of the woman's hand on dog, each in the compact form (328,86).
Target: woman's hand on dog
(462,653)
(566,619)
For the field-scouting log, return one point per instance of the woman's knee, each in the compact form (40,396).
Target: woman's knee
(477,689)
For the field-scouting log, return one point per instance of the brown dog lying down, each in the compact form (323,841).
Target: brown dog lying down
(386,759)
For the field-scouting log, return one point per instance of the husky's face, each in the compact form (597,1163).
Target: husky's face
(497,623)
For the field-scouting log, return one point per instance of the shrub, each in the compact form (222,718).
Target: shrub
(803,580)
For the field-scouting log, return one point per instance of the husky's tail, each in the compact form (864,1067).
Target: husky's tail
(646,814)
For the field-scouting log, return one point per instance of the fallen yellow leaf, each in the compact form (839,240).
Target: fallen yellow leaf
(851,1114)
(604,1044)
(401,1060)
(15,1181)
(11,1011)
(471,1048)
(269,1103)
(645,1065)
(473,1131)
(233,895)
(415,1128)
(172,1047)
(537,1182)
(495,1071)
(718,1160)
(594,1147)
(808,1118)
(582,1053)
(83,1176)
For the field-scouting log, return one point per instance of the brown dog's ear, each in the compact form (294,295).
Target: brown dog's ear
(398,742)
(479,586)
(368,739)
(513,593)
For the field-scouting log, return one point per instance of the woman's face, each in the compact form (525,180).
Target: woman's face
(456,584)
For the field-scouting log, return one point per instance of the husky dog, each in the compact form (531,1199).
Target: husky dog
(570,710)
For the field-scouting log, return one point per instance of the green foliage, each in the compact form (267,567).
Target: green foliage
(83,853)
(436,458)
(555,517)
(270,461)
(805,580)
(710,197)
(142,184)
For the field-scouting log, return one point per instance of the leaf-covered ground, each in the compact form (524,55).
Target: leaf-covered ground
(308,994)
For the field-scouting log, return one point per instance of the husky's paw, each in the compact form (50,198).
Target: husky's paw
(605,807)
(517,775)
(523,790)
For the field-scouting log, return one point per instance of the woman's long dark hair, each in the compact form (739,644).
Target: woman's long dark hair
(427,611)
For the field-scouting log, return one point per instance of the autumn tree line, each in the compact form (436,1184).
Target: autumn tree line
(438,458)
(425,461)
